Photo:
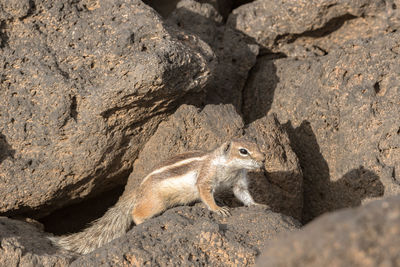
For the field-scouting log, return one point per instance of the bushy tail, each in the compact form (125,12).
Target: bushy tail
(115,223)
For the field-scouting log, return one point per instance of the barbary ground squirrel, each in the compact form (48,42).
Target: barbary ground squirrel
(182,179)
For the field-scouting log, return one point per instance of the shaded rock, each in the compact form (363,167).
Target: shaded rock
(341,112)
(83,86)
(191,129)
(283,188)
(224,7)
(166,7)
(193,236)
(366,236)
(236,53)
(296,27)
(22,244)
(163,7)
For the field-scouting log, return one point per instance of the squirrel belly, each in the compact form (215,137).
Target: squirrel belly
(180,180)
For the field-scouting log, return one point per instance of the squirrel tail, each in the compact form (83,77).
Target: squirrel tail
(114,223)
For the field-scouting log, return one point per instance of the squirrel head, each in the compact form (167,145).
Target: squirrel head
(243,154)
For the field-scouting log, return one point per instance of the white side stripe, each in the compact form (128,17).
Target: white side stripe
(177,164)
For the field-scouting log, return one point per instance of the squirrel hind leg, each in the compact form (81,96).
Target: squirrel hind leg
(144,210)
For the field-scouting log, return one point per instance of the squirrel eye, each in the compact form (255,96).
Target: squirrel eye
(243,151)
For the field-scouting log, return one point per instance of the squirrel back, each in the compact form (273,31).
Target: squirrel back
(182,179)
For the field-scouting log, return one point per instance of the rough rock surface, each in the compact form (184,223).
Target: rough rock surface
(83,85)
(366,236)
(190,128)
(283,188)
(166,7)
(308,28)
(236,53)
(339,110)
(187,236)
(23,244)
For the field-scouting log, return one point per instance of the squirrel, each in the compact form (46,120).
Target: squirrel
(181,180)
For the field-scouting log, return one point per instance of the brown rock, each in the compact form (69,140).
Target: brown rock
(187,236)
(283,188)
(341,112)
(306,28)
(22,244)
(366,236)
(166,7)
(236,53)
(83,86)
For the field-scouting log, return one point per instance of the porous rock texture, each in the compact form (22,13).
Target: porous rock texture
(340,112)
(23,244)
(190,128)
(365,236)
(83,86)
(193,236)
(305,28)
(236,53)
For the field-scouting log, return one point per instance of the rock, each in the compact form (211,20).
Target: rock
(224,7)
(236,53)
(22,244)
(163,7)
(166,7)
(83,86)
(306,28)
(16,8)
(187,236)
(341,112)
(366,236)
(191,129)
(283,188)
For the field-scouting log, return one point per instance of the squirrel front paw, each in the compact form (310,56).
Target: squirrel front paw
(223,211)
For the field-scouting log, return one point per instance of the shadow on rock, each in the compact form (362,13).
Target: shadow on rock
(5,149)
(237,55)
(320,193)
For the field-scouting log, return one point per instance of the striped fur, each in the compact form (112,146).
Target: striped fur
(180,180)
(115,223)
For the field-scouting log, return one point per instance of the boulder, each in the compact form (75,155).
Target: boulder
(365,236)
(341,112)
(24,244)
(83,85)
(187,236)
(236,53)
(310,28)
(166,7)
(281,186)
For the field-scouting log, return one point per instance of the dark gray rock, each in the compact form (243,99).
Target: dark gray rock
(236,53)
(83,85)
(281,187)
(366,236)
(187,236)
(166,7)
(23,244)
(309,28)
(341,112)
